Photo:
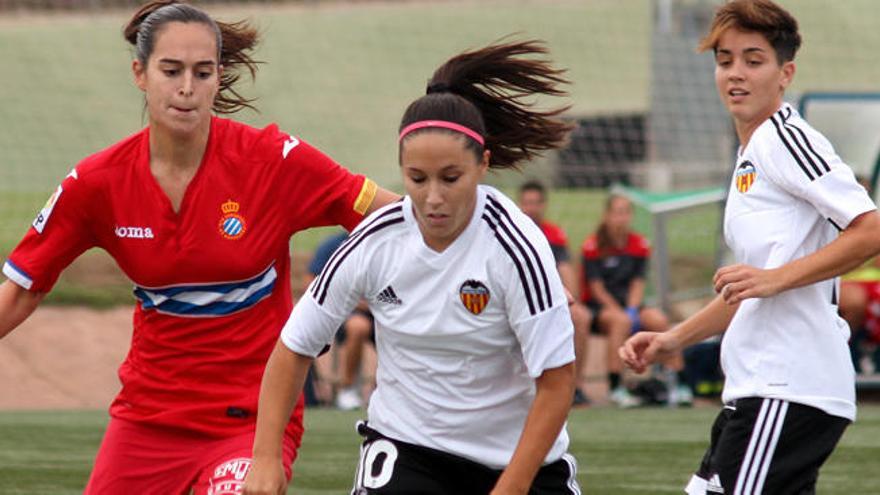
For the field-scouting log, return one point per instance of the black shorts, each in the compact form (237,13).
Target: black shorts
(391,467)
(595,308)
(762,445)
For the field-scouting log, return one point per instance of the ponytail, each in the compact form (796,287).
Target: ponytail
(485,91)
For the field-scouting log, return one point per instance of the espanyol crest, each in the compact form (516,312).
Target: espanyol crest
(474,295)
(232,225)
(745,176)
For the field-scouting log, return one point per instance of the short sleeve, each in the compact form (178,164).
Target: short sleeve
(537,307)
(60,232)
(560,253)
(328,301)
(317,191)
(803,163)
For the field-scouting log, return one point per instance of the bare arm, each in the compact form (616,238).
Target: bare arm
(855,245)
(16,304)
(645,348)
(543,424)
(569,276)
(636,293)
(282,384)
(383,197)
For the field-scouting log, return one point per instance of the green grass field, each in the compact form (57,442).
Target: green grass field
(643,451)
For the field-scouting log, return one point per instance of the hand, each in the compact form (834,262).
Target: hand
(633,313)
(738,282)
(570,298)
(645,348)
(265,478)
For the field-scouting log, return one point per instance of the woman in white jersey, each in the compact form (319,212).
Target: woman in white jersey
(795,219)
(473,331)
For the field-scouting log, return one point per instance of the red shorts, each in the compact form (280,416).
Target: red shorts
(143,459)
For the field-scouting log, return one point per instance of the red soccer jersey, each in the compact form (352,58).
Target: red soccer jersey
(616,267)
(557,239)
(212,281)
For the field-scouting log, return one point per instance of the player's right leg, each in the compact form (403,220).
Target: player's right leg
(141,459)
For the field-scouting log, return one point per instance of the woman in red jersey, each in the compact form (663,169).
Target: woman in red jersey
(615,260)
(198,212)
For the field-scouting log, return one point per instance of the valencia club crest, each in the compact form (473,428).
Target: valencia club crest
(745,176)
(474,295)
(232,224)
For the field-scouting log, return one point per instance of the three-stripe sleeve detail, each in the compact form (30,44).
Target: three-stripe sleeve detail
(387,218)
(798,145)
(762,446)
(532,273)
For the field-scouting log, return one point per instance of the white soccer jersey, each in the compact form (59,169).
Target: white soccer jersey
(790,196)
(460,335)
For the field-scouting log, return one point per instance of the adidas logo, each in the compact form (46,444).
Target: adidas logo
(388,296)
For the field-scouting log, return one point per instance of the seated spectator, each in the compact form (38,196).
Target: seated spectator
(614,265)
(351,339)
(859,305)
(533,202)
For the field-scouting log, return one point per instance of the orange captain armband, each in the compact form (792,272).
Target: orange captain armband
(366,196)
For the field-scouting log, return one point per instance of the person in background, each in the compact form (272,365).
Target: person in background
(198,211)
(795,219)
(351,339)
(860,306)
(532,200)
(615,259)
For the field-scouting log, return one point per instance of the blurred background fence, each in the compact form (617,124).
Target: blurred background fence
(339,75)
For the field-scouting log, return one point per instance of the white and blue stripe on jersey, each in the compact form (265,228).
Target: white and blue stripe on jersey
(17,275)
(208,300)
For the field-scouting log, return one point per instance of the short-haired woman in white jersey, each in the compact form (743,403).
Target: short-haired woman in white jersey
(795,219)
(473,332)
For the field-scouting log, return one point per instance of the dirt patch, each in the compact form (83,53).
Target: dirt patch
(64,357)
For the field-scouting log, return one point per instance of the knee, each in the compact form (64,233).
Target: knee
(654,320)
(358,327)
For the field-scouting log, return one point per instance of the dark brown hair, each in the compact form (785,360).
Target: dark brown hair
(774,23)
(533,185)
(234,42)
(485,90)
(603,237)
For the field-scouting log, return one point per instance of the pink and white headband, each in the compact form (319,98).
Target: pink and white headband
(444,125)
